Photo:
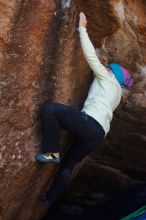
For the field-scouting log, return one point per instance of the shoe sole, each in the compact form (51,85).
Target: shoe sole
(47,161)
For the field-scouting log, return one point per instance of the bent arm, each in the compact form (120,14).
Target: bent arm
(90,55)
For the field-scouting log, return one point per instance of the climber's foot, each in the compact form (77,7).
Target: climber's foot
(48,158)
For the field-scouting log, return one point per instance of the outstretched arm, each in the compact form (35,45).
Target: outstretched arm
(89,52)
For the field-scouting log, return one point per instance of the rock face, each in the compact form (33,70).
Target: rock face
(41,59)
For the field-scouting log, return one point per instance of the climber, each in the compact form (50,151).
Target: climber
(90,125)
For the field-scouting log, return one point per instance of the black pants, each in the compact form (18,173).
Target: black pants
(88,134)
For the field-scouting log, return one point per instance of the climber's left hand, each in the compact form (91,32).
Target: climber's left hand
(82,20)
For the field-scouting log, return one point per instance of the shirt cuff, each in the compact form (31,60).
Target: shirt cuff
(82,29)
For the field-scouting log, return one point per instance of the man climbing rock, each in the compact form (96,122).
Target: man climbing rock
(90,125)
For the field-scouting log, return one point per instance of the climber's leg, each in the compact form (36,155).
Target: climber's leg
(77,151)
(55,116)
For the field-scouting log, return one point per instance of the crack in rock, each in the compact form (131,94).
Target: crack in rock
(66,4)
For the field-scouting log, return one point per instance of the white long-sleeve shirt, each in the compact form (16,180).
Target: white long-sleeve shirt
(105,92)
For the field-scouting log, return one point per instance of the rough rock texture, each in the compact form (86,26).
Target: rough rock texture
(41,59)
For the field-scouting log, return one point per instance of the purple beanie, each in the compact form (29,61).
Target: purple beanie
(127,78)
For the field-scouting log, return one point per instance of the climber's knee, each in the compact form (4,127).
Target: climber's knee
(47,107)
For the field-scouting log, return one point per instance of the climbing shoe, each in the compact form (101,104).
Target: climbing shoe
(47,158)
